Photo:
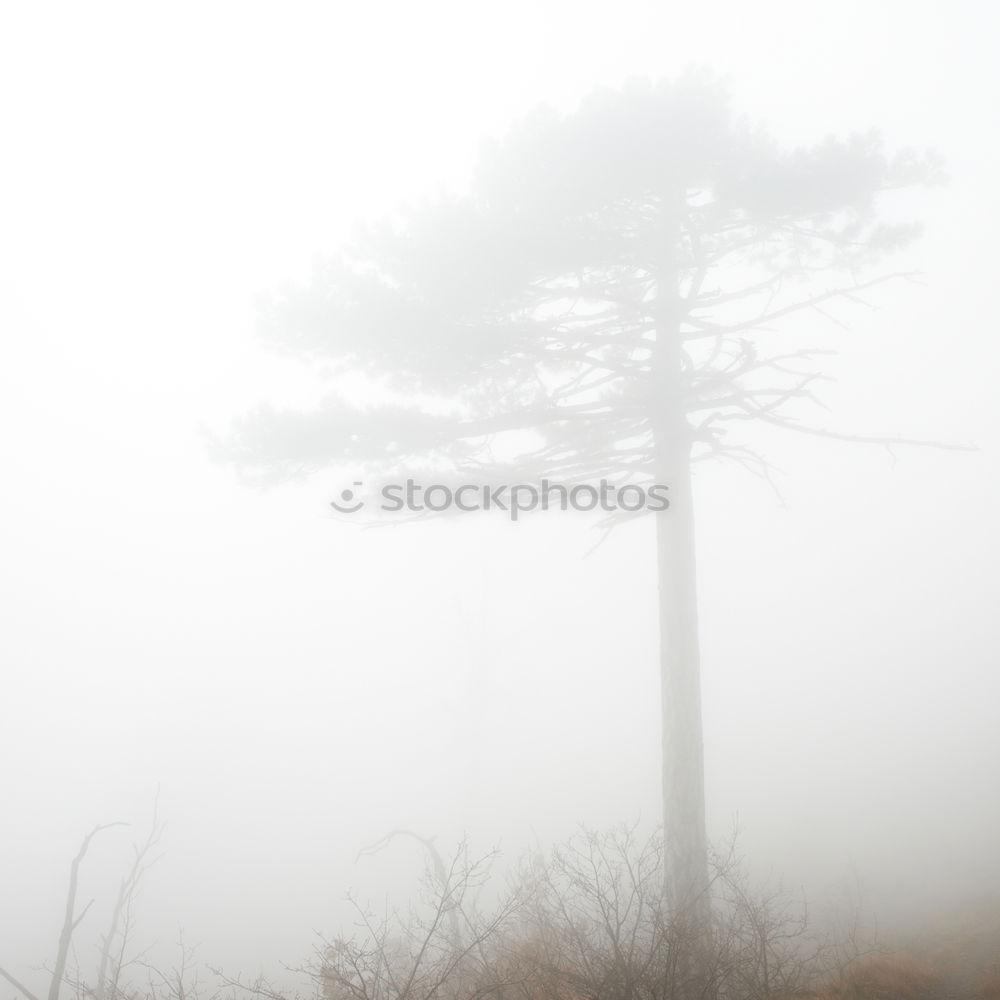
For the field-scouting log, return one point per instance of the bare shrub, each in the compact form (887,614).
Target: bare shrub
(590,922)
(443,948)
(597,926)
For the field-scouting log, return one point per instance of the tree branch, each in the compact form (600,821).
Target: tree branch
(69,922)
(714,330)
(18,985)
(887,442)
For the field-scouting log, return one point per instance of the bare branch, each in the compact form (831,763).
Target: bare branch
(69,923)
(18,985)
(714,330)
(886,441)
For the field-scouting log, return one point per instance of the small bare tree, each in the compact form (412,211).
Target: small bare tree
(598,925)
(114,942)
(444,949)
(71,920)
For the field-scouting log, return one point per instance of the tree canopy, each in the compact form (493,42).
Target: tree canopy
(513,325)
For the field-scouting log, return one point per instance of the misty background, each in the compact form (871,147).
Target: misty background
(296,685)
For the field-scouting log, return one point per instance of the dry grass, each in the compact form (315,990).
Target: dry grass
(989,989)
(893,976)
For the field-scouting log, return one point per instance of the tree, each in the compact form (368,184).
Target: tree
(115,941)
(596,306)
(70,923)
(445,947)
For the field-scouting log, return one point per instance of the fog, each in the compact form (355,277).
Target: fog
(289,685)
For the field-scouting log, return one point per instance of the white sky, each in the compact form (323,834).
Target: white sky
(296,685)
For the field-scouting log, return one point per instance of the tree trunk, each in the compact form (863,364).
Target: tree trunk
(686,851)
(685,844)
